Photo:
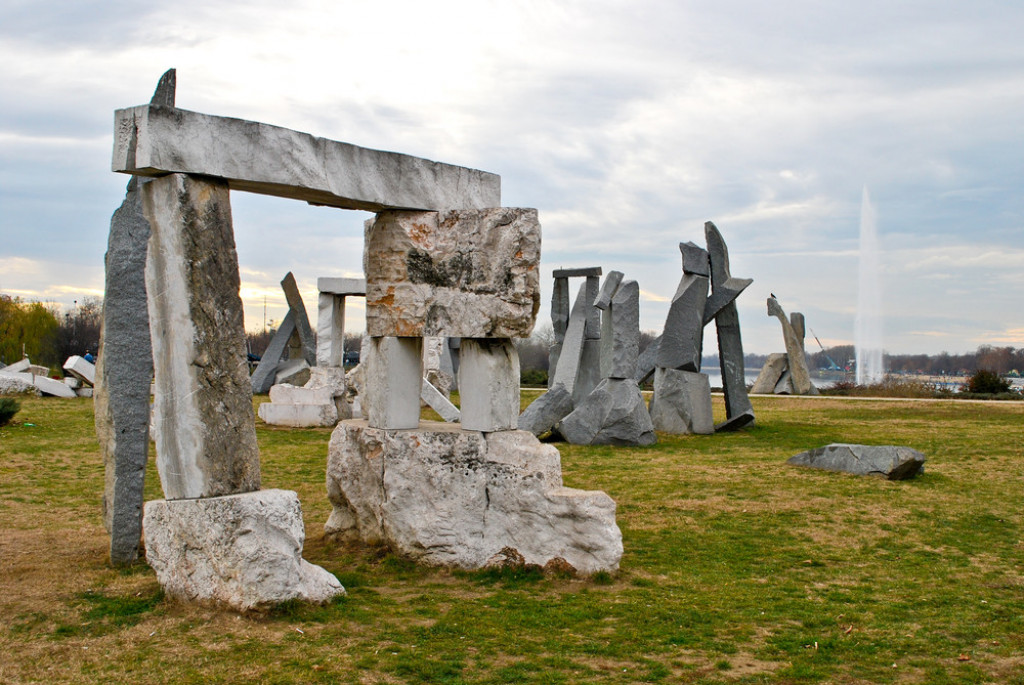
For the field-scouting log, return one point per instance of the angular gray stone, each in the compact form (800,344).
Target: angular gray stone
(302,327)
(293,372)
(489,384)
(560,310)
(393,373)
(589,373)
(695,259)
(683,337)
(620,332)
(886,461)
(801,377)
(265,374)
(206,437)
(770,374)
(681,403)
(336,285)
(456,498)
(463,273)
(546,411)
(613,414)
(646,362)
(241,552)
(727,327)
(593,329)
(608,288)
(569,356)
(586,271)
(154,140)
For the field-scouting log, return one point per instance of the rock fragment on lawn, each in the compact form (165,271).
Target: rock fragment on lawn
(886,461)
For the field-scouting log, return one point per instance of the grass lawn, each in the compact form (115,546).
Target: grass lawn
(737,567)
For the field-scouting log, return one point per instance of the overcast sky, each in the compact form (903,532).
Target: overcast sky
(626,124)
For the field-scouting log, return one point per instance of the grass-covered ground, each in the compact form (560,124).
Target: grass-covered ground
(737,568)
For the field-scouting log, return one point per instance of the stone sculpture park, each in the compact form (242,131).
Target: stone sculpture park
(455,494)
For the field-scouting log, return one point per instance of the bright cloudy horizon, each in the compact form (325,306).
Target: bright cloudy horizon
(626,124)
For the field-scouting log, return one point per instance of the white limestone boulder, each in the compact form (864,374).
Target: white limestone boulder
(451,497)
(242,552)
(81,368)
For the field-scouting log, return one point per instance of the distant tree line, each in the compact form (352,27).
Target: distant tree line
(43,334)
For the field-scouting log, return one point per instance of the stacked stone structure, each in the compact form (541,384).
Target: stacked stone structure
(786,373)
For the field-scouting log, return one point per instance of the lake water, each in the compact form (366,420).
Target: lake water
(715,377)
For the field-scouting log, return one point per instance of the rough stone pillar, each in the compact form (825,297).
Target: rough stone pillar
(206,437)
(124,370)
(393,381)
(489,384)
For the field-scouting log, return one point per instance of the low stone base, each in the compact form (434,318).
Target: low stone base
(681,403)
(451,497)
(242,552)
(613,414)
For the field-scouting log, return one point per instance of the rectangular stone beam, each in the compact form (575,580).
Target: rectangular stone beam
(155,140)
(589,271)
(341,286)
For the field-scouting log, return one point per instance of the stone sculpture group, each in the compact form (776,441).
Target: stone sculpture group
(460,266)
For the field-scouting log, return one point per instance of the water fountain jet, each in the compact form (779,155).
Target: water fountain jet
(868,324)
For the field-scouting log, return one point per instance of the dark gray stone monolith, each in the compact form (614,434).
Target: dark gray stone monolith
(613,414)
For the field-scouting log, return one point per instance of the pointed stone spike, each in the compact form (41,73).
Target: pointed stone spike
(608,288)
(166,88)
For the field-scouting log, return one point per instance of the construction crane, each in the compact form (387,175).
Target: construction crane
(832,362)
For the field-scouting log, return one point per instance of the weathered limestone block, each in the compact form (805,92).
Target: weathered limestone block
(613,414)
(452,497)
(291,394)
(489,384)
(124,370)
(81,369)
(620,334)
(242,552)
(292,372)
(47,386)
(299,415)
(546,411)
(393,378)
(770,374)
(435,356)
(433,398)
(682,402)
(886,461)
(73,382)
(206,441)
(20,366)
(465,273)
(151,140)
(14,384)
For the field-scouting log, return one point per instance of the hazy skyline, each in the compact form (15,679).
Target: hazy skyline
(626,124)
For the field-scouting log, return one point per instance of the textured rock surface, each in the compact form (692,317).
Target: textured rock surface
(546,411)
(770,374)
(886,461)
(206,439)
(302,327)
(489,384)
(800,377)
(391,392)
(464,273)
(124,370)
(265,374)
(681,342)
(47,386)
(451,497)
(620,332)
(242,552)
(292,372)
(152,140)
(613,414)
(13,384)
(724,290)
(588,375)
(682,402)
(299,415)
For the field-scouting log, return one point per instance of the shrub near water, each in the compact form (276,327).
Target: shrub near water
(986,382)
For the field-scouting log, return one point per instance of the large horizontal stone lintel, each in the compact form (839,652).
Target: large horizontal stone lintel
(155,140)
(589,271)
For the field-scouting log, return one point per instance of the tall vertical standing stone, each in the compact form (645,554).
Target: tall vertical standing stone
(206,437)
(738,410)
(394,375)
(121,395)
(489,384)
(682,341)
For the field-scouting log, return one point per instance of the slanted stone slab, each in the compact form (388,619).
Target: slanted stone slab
(589,373)
(646,362)
(724,289)
(572,345)
(451,497)
(20,366)
(770,374)
(608,288)
(206,437)
(682,402)
(391,397)
(489,384)
(241,552)
(154,140)
(47,386)
(18,384)
(302,327)
(463,273)
(439,403)
(682,340)
(613,414)
(801,377)
(620,334)
(265,374)
(885,461)
(81,369)
(546,411)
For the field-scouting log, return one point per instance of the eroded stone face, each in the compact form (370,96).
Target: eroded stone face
(462,273)
(242,552)
(452,497)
